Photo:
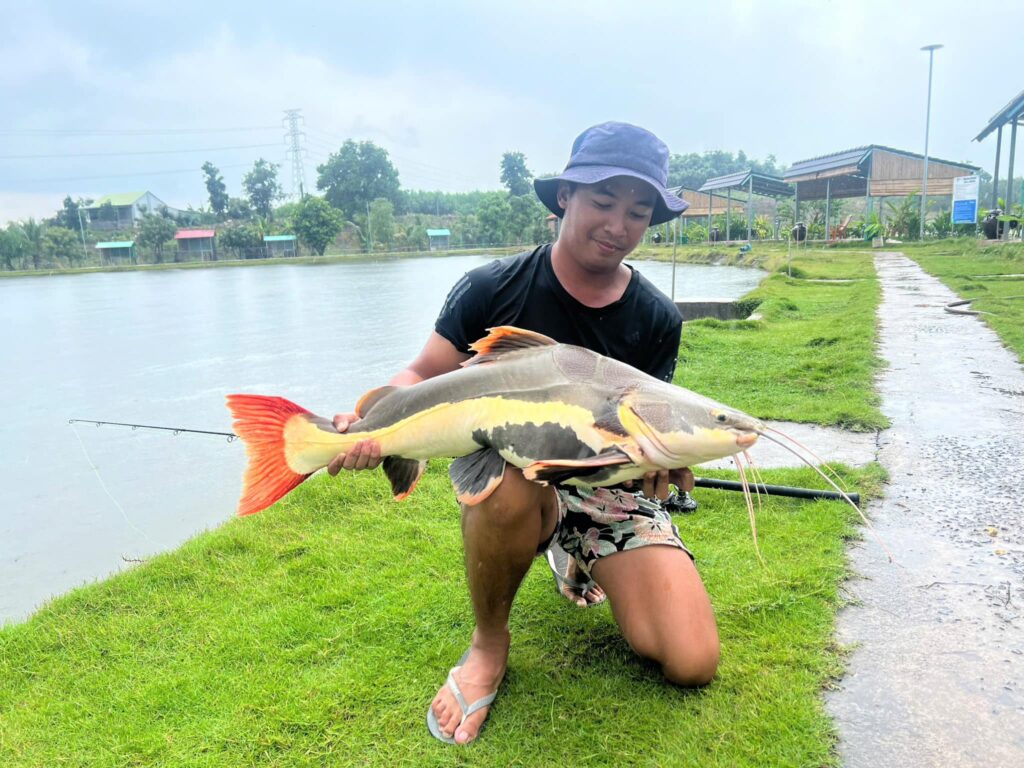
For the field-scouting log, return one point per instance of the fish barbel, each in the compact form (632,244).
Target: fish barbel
(561,413)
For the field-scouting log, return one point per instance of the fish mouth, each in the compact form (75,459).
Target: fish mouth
(746,439)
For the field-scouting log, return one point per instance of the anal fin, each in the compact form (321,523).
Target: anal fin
(476,475)
(403,474)
(550,471)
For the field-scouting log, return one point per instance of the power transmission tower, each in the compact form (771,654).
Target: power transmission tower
(293,138)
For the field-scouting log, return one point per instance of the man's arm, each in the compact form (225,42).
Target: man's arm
(437,356)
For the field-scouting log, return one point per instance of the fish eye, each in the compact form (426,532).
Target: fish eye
(721,418)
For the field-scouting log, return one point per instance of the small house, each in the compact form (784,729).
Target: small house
(440,239)
(196,244)
(280,245)
(117,251)
(124,211)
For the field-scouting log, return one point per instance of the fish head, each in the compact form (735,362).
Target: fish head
(675,427)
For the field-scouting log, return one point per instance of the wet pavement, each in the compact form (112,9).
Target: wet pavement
(936,675)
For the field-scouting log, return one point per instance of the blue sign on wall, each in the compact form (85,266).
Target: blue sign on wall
(965,199)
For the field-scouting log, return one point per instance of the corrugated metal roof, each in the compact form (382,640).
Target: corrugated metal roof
(769,186)
(856,156)
(1008,113)
(125,198)
(193,234)
(277,238)
(438,233)
(116,244)
(853,156)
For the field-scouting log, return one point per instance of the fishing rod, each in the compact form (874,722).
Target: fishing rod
(699,482)
(231,436)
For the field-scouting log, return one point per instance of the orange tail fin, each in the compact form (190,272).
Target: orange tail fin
(260,422)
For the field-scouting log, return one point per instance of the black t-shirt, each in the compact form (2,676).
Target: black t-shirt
(642,328)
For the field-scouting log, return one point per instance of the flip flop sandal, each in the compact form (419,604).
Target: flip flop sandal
(559,562)
(467,709)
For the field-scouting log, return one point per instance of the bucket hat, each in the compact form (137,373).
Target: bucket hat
(616,149)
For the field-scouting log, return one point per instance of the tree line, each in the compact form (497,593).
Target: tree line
(359,205)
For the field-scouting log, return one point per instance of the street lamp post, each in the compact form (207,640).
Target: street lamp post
(927,120)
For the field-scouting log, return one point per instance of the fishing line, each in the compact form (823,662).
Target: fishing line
(106,490)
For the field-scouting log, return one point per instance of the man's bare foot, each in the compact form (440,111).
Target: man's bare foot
(479,675)
(592,596)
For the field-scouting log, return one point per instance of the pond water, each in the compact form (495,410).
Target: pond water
(78,503)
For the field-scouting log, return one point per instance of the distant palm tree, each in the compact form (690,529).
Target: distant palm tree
(34,232)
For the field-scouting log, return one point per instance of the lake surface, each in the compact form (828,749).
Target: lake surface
(165,347)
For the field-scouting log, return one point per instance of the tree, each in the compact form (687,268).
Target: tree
(68,216)
(216,188)
(33,231)
(356,175)
(526,219)
(382,221)
(692,170)
(13,245)
(317,223)
(154,232)
(239,209)
(515,175)
(494,214)
(241,239)
(62,243)
(262,187)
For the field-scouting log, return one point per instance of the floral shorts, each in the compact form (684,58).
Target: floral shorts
(596,522)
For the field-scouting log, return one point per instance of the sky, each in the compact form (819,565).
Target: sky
(107,97)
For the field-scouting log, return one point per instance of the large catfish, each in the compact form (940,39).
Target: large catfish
(561,413)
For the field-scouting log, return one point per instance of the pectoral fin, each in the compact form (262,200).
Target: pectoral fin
(476,475)
(558,470)
(403,474)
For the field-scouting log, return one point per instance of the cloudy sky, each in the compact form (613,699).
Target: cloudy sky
(102,97)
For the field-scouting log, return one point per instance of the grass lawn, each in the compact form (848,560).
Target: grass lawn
(316,633)
(991,275)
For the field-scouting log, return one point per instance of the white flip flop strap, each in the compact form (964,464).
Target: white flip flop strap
(468,709)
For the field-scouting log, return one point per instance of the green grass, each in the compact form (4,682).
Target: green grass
(811,359)
(976,271)
(316,633)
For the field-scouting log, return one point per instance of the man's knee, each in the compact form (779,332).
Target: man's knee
(691,663)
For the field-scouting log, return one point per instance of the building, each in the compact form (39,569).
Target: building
(440,239)
(196,244)
(117,251)
(280,245)
(124,211)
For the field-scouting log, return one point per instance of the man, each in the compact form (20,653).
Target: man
(577,291)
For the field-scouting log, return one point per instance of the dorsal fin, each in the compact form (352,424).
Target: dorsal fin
(504,339)
(367,401)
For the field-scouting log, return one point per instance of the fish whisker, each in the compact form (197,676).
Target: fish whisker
(811,453)
(750,505)
(842,492)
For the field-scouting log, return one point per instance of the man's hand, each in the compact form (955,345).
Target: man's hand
(655,484)
(363,455)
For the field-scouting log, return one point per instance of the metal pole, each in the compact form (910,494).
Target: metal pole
(81,228)
(927,125)
(728,214)
(675,244)
(710,200)
(1009,170)
(995,177)
(750,206)
(828,205)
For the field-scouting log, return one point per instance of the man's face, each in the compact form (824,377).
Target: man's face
(604,222)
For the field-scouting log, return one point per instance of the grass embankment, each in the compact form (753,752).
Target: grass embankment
(991,275)
(327,258)
(316,633)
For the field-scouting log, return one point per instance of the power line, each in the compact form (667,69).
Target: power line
(143,152)
(126,175)
(127,131)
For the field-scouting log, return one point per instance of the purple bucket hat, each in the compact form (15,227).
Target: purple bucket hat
(616,149)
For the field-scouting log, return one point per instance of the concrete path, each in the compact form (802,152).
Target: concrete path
(937,677)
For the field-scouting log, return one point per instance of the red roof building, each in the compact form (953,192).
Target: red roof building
(197,244)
